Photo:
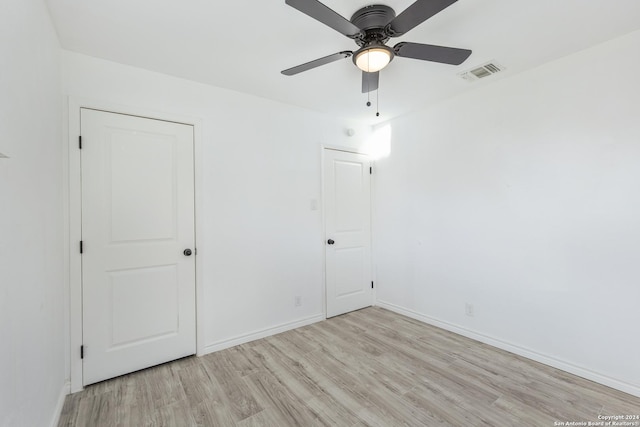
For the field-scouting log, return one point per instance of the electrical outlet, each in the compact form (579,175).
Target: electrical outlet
(298,301)
(468,309)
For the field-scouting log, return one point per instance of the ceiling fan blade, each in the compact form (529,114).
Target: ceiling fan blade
(370,81)
(415,15)
(316,63)
(327,16)
(427,52)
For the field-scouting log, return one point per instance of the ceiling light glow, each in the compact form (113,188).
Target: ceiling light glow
(373,59)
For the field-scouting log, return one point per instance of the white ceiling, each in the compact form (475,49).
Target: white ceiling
(243,45)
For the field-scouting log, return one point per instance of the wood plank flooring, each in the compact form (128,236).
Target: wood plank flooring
(367,368)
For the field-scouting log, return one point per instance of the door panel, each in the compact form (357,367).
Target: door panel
(137,219)
(153,291)
(347,186)
(349,198)
(350,275)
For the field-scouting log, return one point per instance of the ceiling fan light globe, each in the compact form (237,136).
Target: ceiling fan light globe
(373,59)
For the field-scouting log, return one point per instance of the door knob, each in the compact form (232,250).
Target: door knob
(187,252)
(330,242)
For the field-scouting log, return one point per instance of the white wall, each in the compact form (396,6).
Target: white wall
(260,244)
(31,242)
(522,198)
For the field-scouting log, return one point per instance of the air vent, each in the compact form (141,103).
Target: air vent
(482,71)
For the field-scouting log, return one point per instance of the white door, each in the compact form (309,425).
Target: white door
(138,284)
(347,202)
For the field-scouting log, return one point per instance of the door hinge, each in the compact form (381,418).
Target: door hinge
(81,247)
(372,284)
(370,170)
(81,352)
(80,142)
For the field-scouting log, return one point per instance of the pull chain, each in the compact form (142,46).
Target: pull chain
(368,82)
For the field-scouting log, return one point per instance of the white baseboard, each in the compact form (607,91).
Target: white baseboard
(521,351)
(262,333)
(66,390)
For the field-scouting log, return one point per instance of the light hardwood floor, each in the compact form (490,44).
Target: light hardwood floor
(367,368)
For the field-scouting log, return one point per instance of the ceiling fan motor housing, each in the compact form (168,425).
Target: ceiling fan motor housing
(372,20)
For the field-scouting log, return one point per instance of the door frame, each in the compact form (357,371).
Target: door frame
(73,223)
(323,149)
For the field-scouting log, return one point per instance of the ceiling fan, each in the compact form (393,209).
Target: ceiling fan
(371,27)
